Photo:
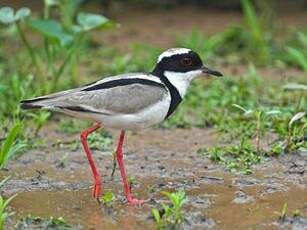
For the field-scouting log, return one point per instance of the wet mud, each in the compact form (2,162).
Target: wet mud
(160,160)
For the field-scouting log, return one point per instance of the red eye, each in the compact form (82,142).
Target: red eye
(186,61)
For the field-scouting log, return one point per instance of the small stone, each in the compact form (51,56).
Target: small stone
(243,198)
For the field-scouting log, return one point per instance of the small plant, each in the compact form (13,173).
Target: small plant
(298,57)
(297,213)
(171,215)
(284,212)
(260,118)
(296,51)
(3,213)
(36,222)
(98,141)
(107,199)
(4,181)
(235,158)
(132,181)
(40,119)
(294,130)
(9,147)
(61,39)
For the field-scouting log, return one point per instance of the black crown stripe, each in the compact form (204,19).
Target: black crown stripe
(123,82)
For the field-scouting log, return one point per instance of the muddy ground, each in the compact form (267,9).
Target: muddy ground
(160,160)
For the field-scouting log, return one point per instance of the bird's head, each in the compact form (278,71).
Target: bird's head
(184,62)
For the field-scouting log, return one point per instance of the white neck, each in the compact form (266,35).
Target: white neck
(181,80)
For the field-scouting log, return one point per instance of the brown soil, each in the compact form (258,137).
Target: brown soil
(161,160)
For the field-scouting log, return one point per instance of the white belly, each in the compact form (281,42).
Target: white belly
(147,117)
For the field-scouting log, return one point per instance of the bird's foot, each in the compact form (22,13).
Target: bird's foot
(134,201)
(97,190)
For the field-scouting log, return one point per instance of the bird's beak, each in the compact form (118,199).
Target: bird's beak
(206,70)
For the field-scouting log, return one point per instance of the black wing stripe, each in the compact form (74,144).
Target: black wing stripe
(122,82)
(35,99)
(80,109)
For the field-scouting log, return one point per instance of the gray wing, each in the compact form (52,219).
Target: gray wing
(127,99)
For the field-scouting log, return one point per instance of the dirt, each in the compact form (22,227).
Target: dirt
(161,160)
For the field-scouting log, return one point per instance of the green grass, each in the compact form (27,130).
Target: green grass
(4,214)
(236,158)
(9,147)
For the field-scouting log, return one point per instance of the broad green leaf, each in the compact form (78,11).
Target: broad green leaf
(76,29)
(52,30)
(22,13)
(6,15)
(93,21)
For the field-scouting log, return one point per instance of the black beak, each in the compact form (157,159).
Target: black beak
(206,70)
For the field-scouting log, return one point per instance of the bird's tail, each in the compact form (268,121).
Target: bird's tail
(37,102)
(25,105)
(31,104)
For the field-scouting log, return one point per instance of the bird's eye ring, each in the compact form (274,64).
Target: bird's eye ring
(186,61)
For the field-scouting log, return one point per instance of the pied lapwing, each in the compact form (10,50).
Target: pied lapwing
(128,102)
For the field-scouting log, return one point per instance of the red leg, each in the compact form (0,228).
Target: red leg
(97,178)
(119,154)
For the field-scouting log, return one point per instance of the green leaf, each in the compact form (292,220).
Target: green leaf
(8,143)
(296,117)
(156,214)
(51,2)
(4,181)
(240,107)
(7,15)
(22,13)
(6,203)
(107,198)
(273,112)
(302,38)
(93,21)
(52,30)
(297,57)
(76,29)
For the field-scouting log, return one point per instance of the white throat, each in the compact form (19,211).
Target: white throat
(181,80)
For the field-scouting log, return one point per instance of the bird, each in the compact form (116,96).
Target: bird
(130,101)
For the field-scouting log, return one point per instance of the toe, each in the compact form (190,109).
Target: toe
(134,201)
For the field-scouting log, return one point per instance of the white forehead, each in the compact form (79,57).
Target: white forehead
(173,51)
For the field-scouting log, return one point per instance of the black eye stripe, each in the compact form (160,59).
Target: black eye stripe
(180,62)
